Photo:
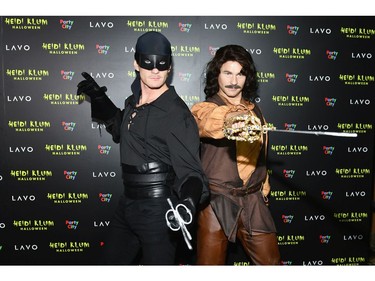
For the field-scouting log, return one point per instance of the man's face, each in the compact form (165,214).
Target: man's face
(152,77)
(231,80)
(150,62)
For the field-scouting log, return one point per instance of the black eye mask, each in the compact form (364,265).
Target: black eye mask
(154,61)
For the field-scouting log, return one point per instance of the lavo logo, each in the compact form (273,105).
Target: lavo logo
(315,218)
(316,173)
(17,47)
(103,174)
(361,56)
(18,98)
(23,198)
(25,247)
(318,262)
(216,26)
(101,24)
(18,149)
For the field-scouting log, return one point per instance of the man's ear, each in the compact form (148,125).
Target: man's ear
(136,66)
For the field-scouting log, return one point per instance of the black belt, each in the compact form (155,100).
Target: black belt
(148,180)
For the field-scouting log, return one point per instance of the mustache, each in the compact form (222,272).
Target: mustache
(232,87)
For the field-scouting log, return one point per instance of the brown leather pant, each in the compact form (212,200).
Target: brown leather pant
(212,243)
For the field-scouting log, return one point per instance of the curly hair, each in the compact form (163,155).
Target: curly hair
(231,53)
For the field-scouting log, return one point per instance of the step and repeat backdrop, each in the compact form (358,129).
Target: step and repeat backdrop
(60,176)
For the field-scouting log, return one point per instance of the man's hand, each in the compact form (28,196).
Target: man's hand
(90,87)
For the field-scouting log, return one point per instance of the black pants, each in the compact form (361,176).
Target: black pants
(139,234)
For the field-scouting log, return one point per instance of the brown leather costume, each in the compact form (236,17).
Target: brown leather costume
(239,185)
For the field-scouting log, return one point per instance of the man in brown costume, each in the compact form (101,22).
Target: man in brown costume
(236,169)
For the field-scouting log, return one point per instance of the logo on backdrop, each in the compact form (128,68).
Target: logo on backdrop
(147,25)
(289,149)
(185,50)
(69,247)
(328,150)
(361,55)
(33,225)
(330,102)
(291,78)
(357,33)
(350,216)
(287,218)
(352,173)
(67,197)
(101,24)
(26,23)
(292,29)
(291,53)
(356,102)
(21,149)
(256,28)
(290,239)
(53,48)
(292,101)
(104,149)
(184,27)
(70,175)
(23,198)
(29,125)
(17,48)
(63,99)
(356,79)
(324,239)
(320,30)
(359,128)
(332,55)
(348,260)
(102,49)
(65,149)
(19,98)
(66,24)
(105,197)
(265,77)
(68,126)
(326,195)
(27,74)
(71,224)
(31,175)
(288,195)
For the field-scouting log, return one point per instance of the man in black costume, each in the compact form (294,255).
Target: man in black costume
(159,151)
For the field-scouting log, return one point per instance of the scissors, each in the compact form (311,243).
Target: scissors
(181,222)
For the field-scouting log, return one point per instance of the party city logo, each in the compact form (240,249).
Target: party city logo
(28,125)
(326,195)
(288,195)
(287,218)
(67,75)
(63,48)
(290,126)
(147,25)
(350,216)
(63,99)
(27,74)
(357,32)
(348,260)
(185,50)
(356,79)
(105,197)
(292,29)
(286,262)
(291,53)
(31,175)
(291,240)
(70,175)
(69,247)
(265,77)
(67,197)
(66,24)
(212,50)
(33,225)
(288,174)
(26,23)
(289,149)
(352,173)
(328,150)
(68,126)
(355,127)
(71,224)
(184,77)
(102,49)
(290,101)
(324,239)
(291,78)
(330,102)
(256,28)
(104,149)
(65,149)
(184,27)
(332,55)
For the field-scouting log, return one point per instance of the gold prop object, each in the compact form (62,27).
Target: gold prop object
(245,127)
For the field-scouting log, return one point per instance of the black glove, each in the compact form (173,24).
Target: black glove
(102,108)
(191,191)
(90,87)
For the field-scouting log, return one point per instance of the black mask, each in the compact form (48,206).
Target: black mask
(154,61)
